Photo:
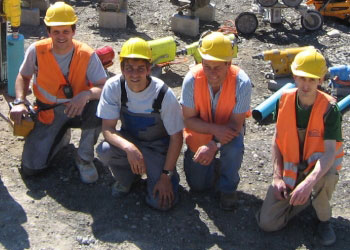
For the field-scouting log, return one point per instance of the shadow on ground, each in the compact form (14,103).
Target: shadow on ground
(12,216)
(196,222)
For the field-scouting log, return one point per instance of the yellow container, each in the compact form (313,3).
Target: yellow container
(22,129)
(163,50)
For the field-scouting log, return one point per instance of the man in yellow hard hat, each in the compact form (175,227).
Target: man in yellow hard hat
(215,100)
(68,80)
(150,138)
(307,150)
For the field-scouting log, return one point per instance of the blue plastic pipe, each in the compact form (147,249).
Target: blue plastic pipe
(345,102)
(269,105)
(15,55)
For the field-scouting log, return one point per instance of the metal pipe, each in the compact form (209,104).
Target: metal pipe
(269,105)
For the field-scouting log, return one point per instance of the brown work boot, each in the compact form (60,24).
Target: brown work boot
(326,233)
(228,201)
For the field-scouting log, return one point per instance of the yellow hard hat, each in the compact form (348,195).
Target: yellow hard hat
(215,46)
(309,63)
(136,48)
(60,14)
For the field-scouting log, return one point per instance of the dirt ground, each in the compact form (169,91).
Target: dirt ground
(57,211)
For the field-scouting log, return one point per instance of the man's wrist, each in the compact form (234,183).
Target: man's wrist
(168,173)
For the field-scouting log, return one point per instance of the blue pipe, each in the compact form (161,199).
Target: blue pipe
(269,105)
(15,55)
(345,102)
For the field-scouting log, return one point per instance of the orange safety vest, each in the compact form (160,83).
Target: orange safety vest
(50,79)
(201,96)
(288,141)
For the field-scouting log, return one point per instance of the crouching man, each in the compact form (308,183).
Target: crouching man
(68,80)
(215,99)
(306,150)
(150,138)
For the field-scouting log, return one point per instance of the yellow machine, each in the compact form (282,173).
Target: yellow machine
(27,123)
(12,13)
(280,60)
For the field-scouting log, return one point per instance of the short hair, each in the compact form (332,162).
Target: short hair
(148,63)
(48,28)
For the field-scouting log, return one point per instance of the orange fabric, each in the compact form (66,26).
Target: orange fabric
(287,136)
(51,79)
(201,95)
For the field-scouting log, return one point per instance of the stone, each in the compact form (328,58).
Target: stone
(112,20)
(333,33)
(30,16)
(206,13)
(185,25)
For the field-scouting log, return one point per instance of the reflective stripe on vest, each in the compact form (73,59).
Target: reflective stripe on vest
(288,141)
(201,96)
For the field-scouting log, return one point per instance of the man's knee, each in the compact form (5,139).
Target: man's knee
(30,171)
(266,223)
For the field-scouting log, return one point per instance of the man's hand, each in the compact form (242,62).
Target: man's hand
(135,159)
(301,194)
(280,189)
(164,189)
(76,105)
(205,154)
(224,133)
(17,112)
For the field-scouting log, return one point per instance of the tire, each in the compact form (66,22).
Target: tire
(315,24)
(292,3)
(246,23)
(267,3)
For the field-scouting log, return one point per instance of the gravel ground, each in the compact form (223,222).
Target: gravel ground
(57,211)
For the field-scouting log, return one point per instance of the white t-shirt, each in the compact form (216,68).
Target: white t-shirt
(140,102)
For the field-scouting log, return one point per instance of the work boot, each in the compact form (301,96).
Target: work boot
(119,190)
(326,233)
(228,201)
(88,172)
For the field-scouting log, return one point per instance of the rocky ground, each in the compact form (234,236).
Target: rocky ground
(57,211)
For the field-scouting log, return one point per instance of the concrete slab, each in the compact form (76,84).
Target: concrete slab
(30,16)
(206,13)
(112,20)
(185,25)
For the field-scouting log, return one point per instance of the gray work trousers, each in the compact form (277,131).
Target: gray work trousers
(40,144)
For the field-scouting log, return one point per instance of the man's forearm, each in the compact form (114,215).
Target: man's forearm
(22,86)
(277,160)
(200,126)
(174,150)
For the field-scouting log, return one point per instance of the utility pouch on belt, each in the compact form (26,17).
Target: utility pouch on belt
(302,166)
(27,123)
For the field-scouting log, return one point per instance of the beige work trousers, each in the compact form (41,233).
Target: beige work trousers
(275,214)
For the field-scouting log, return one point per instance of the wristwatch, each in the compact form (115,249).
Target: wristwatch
(217,143)
(18,101)
(169,173)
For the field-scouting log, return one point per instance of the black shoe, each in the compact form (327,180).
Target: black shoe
(326,233)
(228,201)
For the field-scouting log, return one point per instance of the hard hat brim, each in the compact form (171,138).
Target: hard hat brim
(304,74)
(59,23)
(212,58)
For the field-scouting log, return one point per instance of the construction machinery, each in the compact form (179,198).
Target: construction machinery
(189,5)
(280,59)
(12,46)
(271,11)
(334,8)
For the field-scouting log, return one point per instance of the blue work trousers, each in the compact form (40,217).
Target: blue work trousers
(221,174)
(154,154)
